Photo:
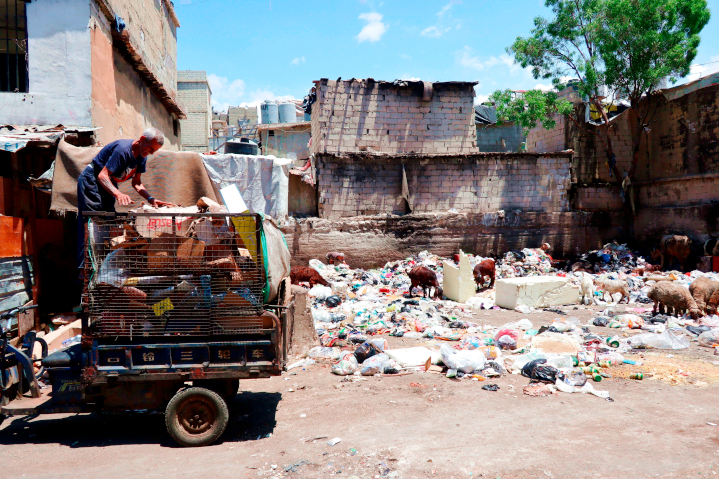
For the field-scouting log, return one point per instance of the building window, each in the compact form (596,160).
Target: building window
(175,127)
(13,46)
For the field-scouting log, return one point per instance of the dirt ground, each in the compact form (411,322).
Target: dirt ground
(420,425)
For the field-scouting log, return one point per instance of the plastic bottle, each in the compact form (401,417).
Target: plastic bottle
(613,357)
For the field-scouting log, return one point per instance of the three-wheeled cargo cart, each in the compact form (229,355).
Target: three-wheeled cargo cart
(175,313)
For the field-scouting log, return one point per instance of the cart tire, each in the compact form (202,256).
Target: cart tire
(2,418)
(234,389)
(196,417)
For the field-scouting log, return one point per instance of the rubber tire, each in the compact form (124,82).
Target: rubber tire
(2,418)
(180,400)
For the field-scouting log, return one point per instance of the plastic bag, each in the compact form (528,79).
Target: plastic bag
(465,361)
(413,357)
(333,301)
(366,350)
(587,388)
(320,292)
(602,321)
(507,342)
(539,371)
(711,321)
(513,333)
(346,366)
(471,342)
(631,321)
(379,363)
(666,340)
(572,377)
(709,339)
(380,343)
(323,352)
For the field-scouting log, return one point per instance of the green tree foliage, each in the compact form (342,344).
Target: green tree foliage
(613,47)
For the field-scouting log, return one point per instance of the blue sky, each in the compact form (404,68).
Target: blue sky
(273,49)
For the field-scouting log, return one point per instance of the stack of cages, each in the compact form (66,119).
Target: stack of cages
(158,275)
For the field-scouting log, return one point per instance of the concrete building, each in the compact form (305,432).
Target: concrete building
(245,115)
(194,91)
(109,64)
(394,117)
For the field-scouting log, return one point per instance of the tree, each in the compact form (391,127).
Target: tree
(612,47)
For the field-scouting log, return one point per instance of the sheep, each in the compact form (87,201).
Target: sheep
(484,269)
(647,268)
(673,246)
(587,285)
(300,274)
(335,258)
(426,279)
(702,290)
(668,296)
(612,286)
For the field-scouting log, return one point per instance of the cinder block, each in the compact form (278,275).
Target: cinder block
(536,292)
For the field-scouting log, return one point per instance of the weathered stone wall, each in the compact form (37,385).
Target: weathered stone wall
(363,115)
(358,185)
(371,241)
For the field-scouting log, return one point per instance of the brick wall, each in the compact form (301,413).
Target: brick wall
(354,185)
(194,91)
(362,115)
(151,24)
(504,138)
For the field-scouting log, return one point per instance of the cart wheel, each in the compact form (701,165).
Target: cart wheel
(196,417)
(2,418)
(234,389)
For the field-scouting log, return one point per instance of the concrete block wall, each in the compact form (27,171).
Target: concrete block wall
(540,140)
(360,115)
(489,138)
(193,90)
(689,190)
(235,113)
(479,183)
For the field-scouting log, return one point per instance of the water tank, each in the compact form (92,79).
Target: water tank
(244,146)
(288,113)
(269,113)
(308,117)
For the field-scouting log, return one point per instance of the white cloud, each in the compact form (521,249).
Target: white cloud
(373,31)
(408,77)
(542,87)
(298,60)
(444,10)
(702,70)
(479,99)
(225,92)
(434,32)
(465,58)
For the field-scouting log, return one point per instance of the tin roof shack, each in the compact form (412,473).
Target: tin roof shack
(291,140)
(353,116)
(194,91)
(102,63)
(492,137)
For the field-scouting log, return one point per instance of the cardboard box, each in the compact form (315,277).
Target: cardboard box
(165,250)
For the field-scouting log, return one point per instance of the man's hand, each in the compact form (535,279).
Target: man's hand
(159,203)
(123,199)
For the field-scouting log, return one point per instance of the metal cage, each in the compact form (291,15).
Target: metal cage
(155,274)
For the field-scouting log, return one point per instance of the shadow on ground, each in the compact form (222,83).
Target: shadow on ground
(252,417)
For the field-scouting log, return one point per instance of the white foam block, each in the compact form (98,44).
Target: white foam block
(535,292)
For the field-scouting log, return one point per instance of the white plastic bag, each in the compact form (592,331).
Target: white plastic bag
(666,340)
(413,357)
(710,338)
(379,363)
(631,321)
(346,366)
(464,360)
(323,352)
(320,292)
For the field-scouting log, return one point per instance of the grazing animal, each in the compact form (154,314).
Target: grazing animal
(300,274)
(426,279)
(673,246)
(702,290)
(711,247)
(456,258)
(587,285)
(612,286)
(711,307)
(484,269)
(668,296)
(335,258)
(647,268)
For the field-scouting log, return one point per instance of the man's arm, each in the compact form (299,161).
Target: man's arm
(140,188)
(104,179)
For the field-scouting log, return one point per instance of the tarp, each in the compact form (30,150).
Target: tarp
(175,176)
(485,115)
(263,181)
